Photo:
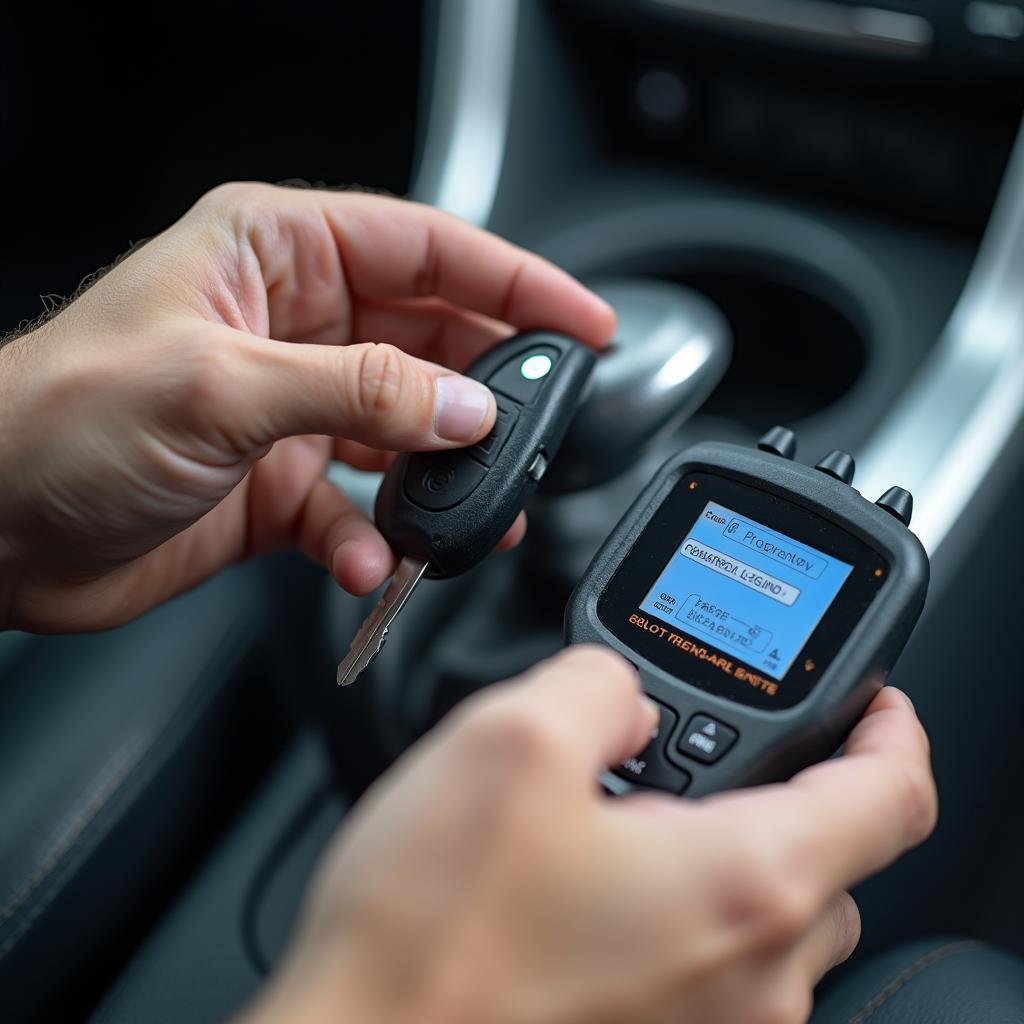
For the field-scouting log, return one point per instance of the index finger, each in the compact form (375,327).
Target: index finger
(395,249)
(584,704)
(847,818)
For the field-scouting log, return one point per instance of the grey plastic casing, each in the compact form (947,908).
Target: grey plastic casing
(773,744)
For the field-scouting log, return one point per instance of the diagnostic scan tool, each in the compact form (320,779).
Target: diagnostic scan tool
(763,602)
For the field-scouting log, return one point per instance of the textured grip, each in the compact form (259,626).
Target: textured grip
(451,508)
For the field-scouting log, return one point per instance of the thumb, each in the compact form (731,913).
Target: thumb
(375,394)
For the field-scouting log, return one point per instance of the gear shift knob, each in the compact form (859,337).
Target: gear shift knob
(671,349)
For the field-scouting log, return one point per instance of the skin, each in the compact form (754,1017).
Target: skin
(180,415)
(487,879)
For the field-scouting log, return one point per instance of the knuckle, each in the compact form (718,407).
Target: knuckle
(428,275)
(776,901)
(211,375)
(620,684)
(377,380)
(235,207)
(509,730)
(789,910)
(232,195)
(918,801)
(601,663)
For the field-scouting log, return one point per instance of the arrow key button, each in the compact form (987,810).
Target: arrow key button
(706,739)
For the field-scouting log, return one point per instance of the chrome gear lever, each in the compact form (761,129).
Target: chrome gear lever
(672,348)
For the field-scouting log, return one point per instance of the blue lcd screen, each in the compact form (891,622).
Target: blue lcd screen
(751,591)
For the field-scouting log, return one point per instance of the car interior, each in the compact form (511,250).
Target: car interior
(805,212)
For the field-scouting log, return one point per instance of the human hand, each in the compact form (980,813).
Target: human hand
(486,878)
(152,432)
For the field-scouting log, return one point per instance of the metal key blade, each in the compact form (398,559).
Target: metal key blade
(374,631)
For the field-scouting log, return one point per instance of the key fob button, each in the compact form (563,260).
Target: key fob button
(524,375)
(487,450)
(439,482)
(706,739)
(650,767)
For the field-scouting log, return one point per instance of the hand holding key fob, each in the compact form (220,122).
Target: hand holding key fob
(449,509)
(763,602)
(446,511)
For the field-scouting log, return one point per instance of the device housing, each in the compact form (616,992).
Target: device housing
(772,744)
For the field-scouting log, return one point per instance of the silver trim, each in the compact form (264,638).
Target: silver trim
(872,29)
(961,410)
(467,126)
(994,20)
(463,147)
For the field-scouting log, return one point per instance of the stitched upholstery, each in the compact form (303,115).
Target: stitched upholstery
(939,981)
(113,748)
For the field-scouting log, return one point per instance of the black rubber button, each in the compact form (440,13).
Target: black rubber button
(487,450)
(650,767)
(523,376)
(706,739)
(440,481)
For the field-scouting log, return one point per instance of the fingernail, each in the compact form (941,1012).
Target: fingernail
(909,701)
(460,405)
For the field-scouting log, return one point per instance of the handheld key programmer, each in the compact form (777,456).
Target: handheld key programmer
(763,602)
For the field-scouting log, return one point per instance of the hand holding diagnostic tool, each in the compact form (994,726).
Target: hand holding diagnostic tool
(764,603)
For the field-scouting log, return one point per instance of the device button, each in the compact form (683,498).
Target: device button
(779,441)
(650,767)
(538,467)
(486,451)
(706,739)
(523,376)
(899,503)
(838,464)
(440,482)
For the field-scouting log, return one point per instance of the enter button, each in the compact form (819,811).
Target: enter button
(705,739)
(650,767)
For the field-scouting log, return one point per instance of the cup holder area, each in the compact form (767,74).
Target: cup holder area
(820,338)
(794,353)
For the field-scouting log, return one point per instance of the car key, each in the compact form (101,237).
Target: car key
(446,511)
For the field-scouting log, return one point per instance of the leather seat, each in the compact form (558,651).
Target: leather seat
(939,981)
(116,750)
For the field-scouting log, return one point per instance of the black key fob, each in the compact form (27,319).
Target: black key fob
(451,508)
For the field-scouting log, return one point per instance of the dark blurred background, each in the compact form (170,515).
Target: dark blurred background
(111,126)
